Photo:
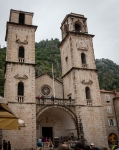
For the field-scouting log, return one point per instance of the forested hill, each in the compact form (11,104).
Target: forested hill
(47,53)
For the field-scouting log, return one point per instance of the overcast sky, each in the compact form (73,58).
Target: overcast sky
(103,21)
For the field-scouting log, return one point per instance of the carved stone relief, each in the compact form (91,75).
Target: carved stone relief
(20,77)
(86,82)
(81,45)
(21,41)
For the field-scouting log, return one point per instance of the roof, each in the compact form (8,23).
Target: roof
(19,11)
(49,76)
(72,15)
(105,91)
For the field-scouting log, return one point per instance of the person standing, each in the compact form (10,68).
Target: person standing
(52,98)
(92,147)
(42,97)
(4,145)
(9,146)
(39,144)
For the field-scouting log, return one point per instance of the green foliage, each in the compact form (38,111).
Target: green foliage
(2,67)
(47,53)
(108,74)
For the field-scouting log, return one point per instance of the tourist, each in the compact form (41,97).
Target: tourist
(42,97)
(40,139)
(39,144)
(46,140)
(52,98)
(4,145)
(8,146)
(78,146)
(63,147)
(51,146)
(92,147)
(87,147)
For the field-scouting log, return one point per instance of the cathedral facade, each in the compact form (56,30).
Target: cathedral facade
(79,109)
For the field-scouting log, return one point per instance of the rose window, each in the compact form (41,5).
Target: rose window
(45,90)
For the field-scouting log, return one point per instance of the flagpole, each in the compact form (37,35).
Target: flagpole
(53,81)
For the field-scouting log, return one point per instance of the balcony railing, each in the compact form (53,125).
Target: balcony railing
(56,101)
(20,99)
(21,60)
(89,101)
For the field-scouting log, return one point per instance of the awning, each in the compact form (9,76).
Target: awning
(8,121)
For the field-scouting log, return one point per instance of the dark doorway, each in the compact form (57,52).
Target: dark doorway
(47,132)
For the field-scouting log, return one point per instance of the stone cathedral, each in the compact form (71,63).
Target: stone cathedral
(79,107)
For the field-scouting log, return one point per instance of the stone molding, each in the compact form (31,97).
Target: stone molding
(20,77)
(87,82)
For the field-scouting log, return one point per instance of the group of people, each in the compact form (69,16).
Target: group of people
(42,98)
(40,143)
(6,145)
(78,146)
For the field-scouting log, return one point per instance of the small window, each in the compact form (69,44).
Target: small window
(20,89)
(109,109)
(21,52)
(21,18)
(66,59)
(77,28)
(107,98)
(87,92)
(111,122)
(83,58)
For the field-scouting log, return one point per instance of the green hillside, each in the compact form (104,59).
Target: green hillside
(47,53)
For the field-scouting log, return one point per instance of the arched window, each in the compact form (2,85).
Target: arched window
(21,52)
(21,18)
(83,58)
(87,91)
(20,89)
(77,28)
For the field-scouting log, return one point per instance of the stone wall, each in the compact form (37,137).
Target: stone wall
(25,137)
(46,81)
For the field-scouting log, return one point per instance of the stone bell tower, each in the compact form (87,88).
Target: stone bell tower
(20,77)
(80,79)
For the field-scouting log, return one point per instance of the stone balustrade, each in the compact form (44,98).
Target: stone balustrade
(57,101)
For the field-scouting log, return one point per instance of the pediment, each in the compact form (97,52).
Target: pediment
(20,77)
(87,82)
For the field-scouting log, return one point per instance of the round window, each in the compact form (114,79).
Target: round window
(45,90)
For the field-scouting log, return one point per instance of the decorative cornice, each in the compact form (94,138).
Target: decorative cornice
(13,23)
(75,33)
(76,68)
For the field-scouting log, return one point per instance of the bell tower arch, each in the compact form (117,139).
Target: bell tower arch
(80,78)
(19,89)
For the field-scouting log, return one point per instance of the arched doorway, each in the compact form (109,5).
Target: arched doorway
(56,122)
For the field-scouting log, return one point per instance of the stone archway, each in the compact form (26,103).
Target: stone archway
(61,120)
